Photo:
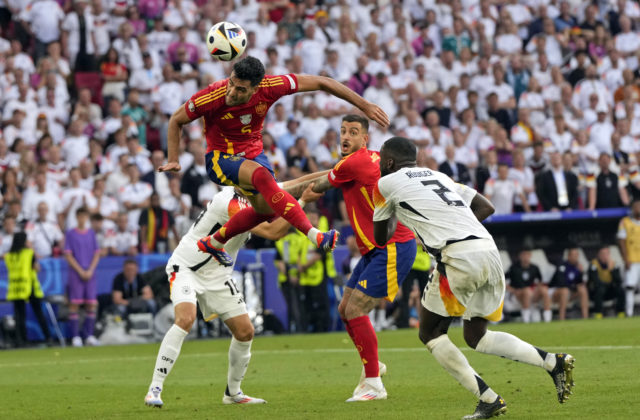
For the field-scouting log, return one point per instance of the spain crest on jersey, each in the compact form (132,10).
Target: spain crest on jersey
(261,108)
(245,119)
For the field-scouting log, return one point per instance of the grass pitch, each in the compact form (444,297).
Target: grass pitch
(310,376)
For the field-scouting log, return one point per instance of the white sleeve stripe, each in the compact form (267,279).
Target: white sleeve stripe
(291,82)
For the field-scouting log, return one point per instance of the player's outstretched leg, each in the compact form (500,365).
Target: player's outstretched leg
(433,333)
(559,366)
(239,357)
(280,202)
(169,351)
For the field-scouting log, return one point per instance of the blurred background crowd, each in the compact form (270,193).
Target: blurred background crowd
(533,102)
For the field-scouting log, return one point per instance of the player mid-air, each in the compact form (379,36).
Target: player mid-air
(194,278)
(382,268)
(469,280)
(233,111)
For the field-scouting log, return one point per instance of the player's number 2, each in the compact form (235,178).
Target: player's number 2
(441,192)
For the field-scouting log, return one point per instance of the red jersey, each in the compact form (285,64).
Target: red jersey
(357,175)
(237,129)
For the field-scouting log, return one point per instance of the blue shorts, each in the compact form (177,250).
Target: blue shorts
(223,168)
(381,271)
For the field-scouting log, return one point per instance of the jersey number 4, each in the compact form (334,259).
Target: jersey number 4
(441,192)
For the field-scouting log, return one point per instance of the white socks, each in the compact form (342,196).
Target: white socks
(239,356)
(630,295)
(313,235)
(546,315)
(451,358)
(526,315)
(511,347)
(168,354)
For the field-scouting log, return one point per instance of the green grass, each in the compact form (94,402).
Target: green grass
(310,376)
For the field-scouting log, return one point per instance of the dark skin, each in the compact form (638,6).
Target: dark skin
(433,325)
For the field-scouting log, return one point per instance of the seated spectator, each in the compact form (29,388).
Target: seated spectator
(45,235)
(23,285)
(502,191)
(568,284)
(455,170)
(122,240)
(299,159)
(155,224)
(130,293)
(557,189)
(605,282)
(524,280)
(607,189)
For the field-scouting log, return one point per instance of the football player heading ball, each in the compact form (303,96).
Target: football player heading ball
(234,110)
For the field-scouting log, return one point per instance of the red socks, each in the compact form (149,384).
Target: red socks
(364,337)
(281,202)
(241,222)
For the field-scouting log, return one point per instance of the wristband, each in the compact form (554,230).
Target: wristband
(301,202)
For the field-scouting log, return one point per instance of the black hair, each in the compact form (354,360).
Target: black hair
(82,210)
(401,149)
(130,261)
(96,217)
(19,242)
(249,68)
(364,122)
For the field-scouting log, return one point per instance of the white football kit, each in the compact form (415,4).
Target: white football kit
(469,281)
(196,276)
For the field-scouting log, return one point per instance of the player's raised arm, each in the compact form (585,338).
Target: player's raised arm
(309,83)
(177,120)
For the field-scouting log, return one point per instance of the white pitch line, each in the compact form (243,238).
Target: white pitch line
(273,352)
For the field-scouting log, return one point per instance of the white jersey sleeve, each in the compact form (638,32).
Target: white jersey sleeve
(218,211)
(467,193)
(429,203)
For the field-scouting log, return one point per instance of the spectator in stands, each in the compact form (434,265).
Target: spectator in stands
(6,235)
(133,108)
(525,281)
(455,170)
(525,177)
(23,285)
(78,37)
(195,176)
(502,191)
(557,189)
(568,283)
(72,199)
(155,225)
(179,205)
(45,235)
(134,196)
(122,240)
(42,191)
(606,190)
(501,115)
(299,159)
(82,253)
(130,293)
(605,282)
(11,189)
(96,221)
(275,155)
(628,240)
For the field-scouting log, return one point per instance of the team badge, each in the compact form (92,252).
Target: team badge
(186,289)
(192,106)
(261,108)
(245,119)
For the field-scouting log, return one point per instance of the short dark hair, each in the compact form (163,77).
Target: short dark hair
(130,261)
(82,210)
(249,68)
(96,217)
(401,149)
(364,122)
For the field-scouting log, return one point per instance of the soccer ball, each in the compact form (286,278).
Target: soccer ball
(226,41)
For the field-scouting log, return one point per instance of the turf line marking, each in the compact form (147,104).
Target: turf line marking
(275,352)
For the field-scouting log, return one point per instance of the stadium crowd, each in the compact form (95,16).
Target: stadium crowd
(536,103)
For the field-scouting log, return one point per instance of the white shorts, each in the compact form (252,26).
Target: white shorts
(216,293)
(474,284)
(633,276)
